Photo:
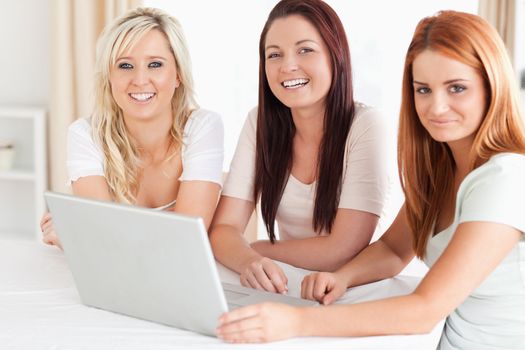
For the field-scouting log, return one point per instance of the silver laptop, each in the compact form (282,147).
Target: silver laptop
(148,264)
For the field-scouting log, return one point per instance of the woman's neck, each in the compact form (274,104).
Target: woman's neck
(461,153)
(309,125)
(152,136)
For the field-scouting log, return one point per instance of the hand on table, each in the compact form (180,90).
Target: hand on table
(260,323)
(325,287)
(263,274)
(48,231)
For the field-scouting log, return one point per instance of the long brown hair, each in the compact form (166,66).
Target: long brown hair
(426,167)
(276,130)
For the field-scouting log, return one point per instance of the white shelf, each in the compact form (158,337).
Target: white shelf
(26,112)
(22,187)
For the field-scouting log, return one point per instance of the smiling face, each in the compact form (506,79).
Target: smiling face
(450,97)
(143,79)
(297,63)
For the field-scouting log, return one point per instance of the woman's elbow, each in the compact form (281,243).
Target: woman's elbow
(339,257)
(212,234)
(429,316)
(426,325)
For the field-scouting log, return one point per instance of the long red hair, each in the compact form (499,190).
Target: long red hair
(426,167)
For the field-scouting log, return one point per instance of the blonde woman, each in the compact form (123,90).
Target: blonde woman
(147,142)
(461,155)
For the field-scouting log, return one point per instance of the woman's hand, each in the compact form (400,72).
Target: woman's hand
(48,231)
(264,274)
(260,323)
(325,287)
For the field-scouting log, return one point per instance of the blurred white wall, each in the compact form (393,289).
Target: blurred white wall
(519,55)
(25,59)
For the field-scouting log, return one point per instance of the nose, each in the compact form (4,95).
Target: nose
(140,76)
(289,64)
(439,104)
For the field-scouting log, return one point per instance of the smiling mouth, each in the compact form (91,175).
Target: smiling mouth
(142,97)
(295,83)
(441,121)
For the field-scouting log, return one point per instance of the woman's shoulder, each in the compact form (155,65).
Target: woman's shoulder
(203,116)
(507,169)
(251,118)
(503,163)
(202,119)
(507,160)
(367,121)
(364,112)
(80,125)
(494,192)
(80,128)
(250,123)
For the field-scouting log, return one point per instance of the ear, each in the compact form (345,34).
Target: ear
(177,81)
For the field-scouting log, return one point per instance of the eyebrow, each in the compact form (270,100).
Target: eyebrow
(296,44)
(148,57)
(446,82)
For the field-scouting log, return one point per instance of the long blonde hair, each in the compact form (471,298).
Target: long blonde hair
(426,167)
(121,161)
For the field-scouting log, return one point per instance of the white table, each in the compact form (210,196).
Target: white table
(40,309)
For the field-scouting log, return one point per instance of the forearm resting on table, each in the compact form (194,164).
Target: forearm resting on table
(410,314)
(374,263)
(316,253)
(350,233)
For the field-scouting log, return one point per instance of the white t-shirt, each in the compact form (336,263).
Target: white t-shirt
(493,315)
(202,149)
(365,175)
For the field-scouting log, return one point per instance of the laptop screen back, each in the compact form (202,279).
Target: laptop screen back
(140,262)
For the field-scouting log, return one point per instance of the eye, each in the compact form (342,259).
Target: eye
(423,90)
(155,64)
(125,65)
(456,89)
(305,50)
(272,55)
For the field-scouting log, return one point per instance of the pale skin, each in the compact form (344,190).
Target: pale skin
(450,103)
(149,68)
(294,50)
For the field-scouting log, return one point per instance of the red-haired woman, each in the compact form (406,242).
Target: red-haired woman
(461,155)
(314,158)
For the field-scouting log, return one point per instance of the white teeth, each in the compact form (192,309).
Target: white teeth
(295,83)
(142,96)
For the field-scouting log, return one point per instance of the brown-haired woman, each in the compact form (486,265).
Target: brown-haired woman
(461,155)
(313,157)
